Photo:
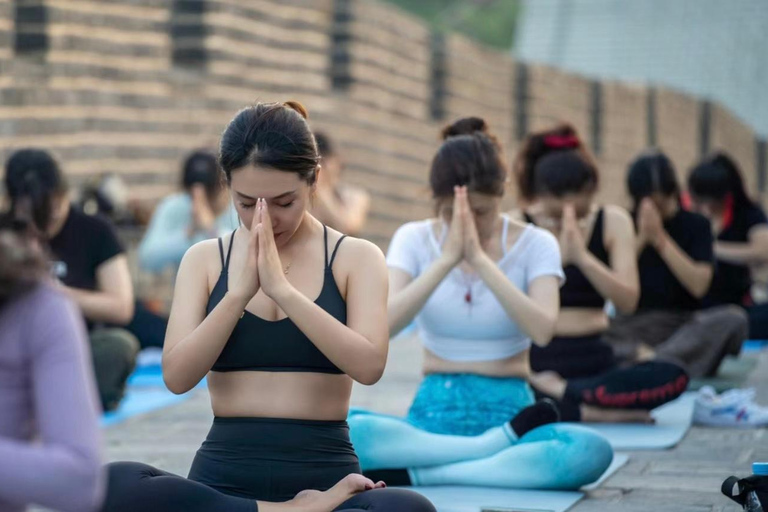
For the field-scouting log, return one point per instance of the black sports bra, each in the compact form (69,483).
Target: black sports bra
(578,292)
(262,345)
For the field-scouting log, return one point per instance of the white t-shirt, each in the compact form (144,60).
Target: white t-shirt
(480,330)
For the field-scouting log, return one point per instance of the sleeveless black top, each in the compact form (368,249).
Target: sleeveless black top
(279,346)
(578,292)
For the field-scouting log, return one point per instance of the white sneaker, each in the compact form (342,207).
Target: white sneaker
(734,408)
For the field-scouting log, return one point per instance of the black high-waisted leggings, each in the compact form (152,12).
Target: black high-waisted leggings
(248,459)
(588,365)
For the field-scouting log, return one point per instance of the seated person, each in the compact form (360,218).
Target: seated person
(339,205)
(558,179)
(676,261)
(88,262)
(741,236)
(202,211)
(282,322)
(50,441)
(482,287)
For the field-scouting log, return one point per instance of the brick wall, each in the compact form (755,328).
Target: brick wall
(130,86)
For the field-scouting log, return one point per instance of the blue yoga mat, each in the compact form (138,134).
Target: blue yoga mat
(151,376)
(754,345)
(141,400)
(450,498)
(672,423)
(456,498)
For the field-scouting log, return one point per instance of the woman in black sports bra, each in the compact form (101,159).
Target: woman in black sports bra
(282,317)
(557,179)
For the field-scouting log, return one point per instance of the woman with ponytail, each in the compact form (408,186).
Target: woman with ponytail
(88,262)
(482,289)
(282,318)
(558,180)
(741,231)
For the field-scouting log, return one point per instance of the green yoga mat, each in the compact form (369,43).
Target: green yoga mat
(733,373)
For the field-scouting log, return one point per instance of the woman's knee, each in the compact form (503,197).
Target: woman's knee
(585,456)
(385,500)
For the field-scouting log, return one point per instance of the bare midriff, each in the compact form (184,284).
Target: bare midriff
(288,395)
(517,366)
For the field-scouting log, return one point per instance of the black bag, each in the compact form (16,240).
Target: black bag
(738,489)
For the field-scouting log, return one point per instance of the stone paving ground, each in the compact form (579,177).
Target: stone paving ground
(685,479)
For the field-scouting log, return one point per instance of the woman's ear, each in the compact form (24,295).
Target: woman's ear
(317,178)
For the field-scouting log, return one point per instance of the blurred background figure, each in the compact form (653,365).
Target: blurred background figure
(107,195)
(50,441)
(88,262)
(201,211)
(741,231)
(341,206)
(675,261)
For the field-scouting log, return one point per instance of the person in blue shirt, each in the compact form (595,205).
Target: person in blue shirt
(201,211)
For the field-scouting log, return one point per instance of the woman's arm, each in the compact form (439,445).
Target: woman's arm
(407,295)
(359,348)
(618,283)
(695,276)
(64,471)
(754,252)
(168,235)
(535,313)
(193,340)
(348,215)
(112,301)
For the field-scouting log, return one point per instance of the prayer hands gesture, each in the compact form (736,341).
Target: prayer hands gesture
(248,284)
(263,268)
(650,225)
(462,242)
(203,218)
(572,244)
(270,268)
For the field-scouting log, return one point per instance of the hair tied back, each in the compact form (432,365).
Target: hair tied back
(561,141)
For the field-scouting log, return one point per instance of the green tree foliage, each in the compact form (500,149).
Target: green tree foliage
(491,22)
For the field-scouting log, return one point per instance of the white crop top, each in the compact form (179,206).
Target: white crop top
(480,330)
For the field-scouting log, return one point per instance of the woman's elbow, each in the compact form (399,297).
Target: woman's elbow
(628,304)
(125,311)
(175,382)
(545,332)
(177,387)
(87,483)
(370,375)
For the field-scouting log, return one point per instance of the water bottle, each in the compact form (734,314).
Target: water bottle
(759,470)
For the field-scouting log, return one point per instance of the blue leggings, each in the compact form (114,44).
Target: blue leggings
(436,446)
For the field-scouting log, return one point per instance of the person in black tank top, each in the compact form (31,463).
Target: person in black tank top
(675,260)
(557,180)
(267,346)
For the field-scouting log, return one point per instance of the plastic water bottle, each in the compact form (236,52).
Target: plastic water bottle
(752,504)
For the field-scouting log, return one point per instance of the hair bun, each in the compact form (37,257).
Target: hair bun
(298,107)
(465,126)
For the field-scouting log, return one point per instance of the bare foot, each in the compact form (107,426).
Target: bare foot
(645,353)
(549,383)
(327,501)
(593,414)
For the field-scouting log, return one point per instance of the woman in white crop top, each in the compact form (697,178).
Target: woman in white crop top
(481,287)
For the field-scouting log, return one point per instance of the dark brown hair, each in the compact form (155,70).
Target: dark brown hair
(470,155)
(715,177)
(22,262)
(554,162)
(272,135)
(33,176)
